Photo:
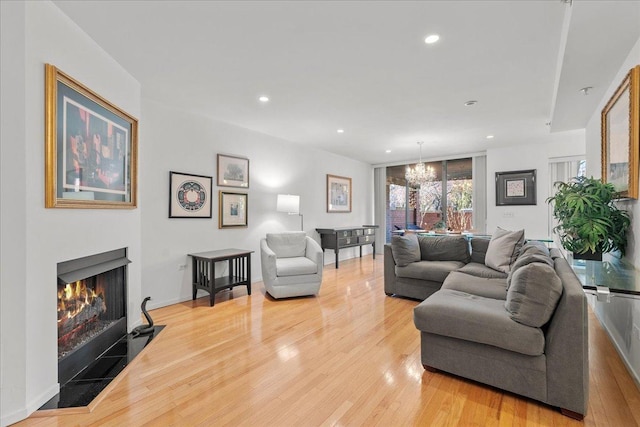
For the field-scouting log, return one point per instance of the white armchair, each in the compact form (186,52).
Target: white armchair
(291,263)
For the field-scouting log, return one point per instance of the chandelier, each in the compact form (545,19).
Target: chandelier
(420,173)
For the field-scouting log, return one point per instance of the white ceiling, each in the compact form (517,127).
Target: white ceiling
(363,66)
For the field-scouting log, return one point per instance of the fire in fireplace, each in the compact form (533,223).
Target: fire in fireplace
(91,309)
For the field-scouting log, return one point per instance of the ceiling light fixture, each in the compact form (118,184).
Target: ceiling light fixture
(420,173)
(489,136)
(340,131)
(470,103)
(387,151)
(432,39)
(585,90)
(263,99)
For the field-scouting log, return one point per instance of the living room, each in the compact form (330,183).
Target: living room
(174,138)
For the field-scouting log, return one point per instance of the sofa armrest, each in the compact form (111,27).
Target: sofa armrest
(567,345)
(267,261)
(389,271)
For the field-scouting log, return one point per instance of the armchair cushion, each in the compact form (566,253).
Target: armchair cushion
(295,266)
(287,244)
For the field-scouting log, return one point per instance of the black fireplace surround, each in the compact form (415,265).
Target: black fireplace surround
(92,309)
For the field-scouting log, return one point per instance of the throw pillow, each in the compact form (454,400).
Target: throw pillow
(405,249)
(503,249)
(444,248)
(526,258)
(533,295)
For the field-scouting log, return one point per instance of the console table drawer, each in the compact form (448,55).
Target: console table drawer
(344,233)
(369,231)
(366,239)
(347,241)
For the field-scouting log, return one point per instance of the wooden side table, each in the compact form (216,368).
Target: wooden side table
(203,271)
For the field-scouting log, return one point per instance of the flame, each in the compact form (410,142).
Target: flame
(73,298)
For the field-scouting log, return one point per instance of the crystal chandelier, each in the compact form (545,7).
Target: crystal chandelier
(420,173)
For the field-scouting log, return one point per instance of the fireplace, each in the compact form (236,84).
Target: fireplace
(92,313)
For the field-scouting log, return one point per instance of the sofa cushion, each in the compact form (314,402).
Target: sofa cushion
(435,271)
(527,258)
(479,247)
(469,317)
(503,249)
(481,270)
(295,266)
(287,244)
(405,249)
(535,246)
(444,248)
(533,295)
(486,287)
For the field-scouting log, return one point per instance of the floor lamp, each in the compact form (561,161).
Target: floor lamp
(290,204)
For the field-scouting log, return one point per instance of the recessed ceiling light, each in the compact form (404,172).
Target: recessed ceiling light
(489,136)
(432,39)
(387,151)
(340,131)
(470,103)
(585,90)
(263,99)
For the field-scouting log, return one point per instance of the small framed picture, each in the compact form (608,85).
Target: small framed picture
(189,195)
(233,210)
(233,171)
(338,194)
(516,188)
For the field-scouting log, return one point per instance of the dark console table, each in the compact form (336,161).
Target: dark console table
(346,237)
(204,271)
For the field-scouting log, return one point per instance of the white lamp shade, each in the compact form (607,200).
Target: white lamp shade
(288,203)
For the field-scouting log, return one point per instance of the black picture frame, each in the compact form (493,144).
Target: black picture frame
(516,188)
(189,195)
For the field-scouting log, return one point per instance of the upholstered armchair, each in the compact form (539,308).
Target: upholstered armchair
(292,264)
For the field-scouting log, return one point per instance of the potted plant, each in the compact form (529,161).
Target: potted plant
(589,223)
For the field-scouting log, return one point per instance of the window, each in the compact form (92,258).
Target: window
(444,203)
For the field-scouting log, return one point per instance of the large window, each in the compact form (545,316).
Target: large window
(444,203)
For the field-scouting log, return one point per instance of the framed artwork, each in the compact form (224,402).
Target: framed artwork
(91,148)
(338,194)
(516,188)
(233,210)
(189,195)
(621,137)
(233,171)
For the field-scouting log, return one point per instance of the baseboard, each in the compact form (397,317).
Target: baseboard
(154,304)
(31,407)
(634,375)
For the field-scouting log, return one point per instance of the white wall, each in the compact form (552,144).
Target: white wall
(622,315)
(35,239)
(185,142)
(532,155)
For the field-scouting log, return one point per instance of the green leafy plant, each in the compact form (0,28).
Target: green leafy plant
(588,220)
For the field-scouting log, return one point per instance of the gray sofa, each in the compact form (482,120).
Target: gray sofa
(523,329)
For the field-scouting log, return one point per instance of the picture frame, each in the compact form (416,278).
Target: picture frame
(516,188)
(233,171)
(233,209)
(620,135)
(338,194)
(189,195)
(91,148)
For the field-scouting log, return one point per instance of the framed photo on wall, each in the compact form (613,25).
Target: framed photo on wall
(233,171)
(338,194)
(621,137)
(189,195)
(233,210)
(516,188)
(91,147)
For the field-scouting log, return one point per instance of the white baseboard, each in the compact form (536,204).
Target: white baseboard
(31,406)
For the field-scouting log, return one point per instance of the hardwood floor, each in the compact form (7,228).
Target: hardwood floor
(348,357)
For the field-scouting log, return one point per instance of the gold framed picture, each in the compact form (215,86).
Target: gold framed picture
(338,194)
(91,147)
(233,210)
(621,137)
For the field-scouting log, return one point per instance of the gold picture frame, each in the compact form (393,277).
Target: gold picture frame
(91,148)
(338,194)
(621,137)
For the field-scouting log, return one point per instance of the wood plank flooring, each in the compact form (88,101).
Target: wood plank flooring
(348,357)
